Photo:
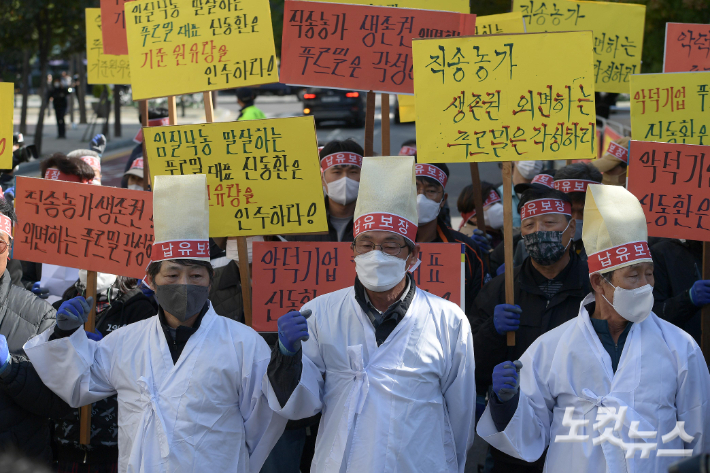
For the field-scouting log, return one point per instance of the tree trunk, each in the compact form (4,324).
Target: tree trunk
(117,110)
(81,88)
(25,89)
(71,94)
(105,104)
(44,40)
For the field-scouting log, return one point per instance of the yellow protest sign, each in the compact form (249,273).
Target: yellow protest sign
(460,6)
(618,34)
(7,102)
(263,176)
(671,107)
(505,97)
(407,112)
(102,68)
(500,24)
(186,46)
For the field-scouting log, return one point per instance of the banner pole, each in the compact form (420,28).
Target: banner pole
(370,123)
(85,411)
(508,241)
(385,123)
(705,314)
(172,110)
(143,106)
(477,197)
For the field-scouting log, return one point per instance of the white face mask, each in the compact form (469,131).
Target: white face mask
(427,209)
(493,216)
(632,304)
(379,272)
(135,187)
(578,230)
(233,251)
(344,190)
(103,280)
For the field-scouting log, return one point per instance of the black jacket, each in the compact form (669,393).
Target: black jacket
(25,402)
(128,308)
(539,316)
(226,292)
(676,266)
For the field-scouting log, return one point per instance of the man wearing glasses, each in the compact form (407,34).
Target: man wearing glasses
(390,366)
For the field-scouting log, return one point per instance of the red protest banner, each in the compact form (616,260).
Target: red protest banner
(113,27)
(96,228)
(687,46)
(672,183)
(361,47)
(286,275)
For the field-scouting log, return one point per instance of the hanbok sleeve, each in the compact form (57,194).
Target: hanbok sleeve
(692,401)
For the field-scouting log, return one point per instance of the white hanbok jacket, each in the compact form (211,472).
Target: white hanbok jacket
(661,379)
(207,412)
(405,406)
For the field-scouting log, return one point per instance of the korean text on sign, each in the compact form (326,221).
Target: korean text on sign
(114,27)
(618,34)
(286,275)
(83,226)
(687,48)
(672,108)
(461,6)
(359,47)
(102,68)
(186,46)
(672,182)
(505,97)
(7,102)
(263,176)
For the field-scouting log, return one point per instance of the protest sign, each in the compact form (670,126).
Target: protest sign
(672,108)
(82,226)
(687,47)
(7,102)
(287,275)
(186,46)
(102,68)
(672,182)
(263,177)
(359,47)
(505,97)
(407,112)
(114,27)
(618,34)
(608,136)
(460,6)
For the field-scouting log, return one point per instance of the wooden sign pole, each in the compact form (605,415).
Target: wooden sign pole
(705,314)
(143,106)
(370,124)
(385,124)
(172,110)
(477,197)
(85,411)
(508,240)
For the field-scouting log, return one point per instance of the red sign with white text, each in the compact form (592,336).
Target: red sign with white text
(687,47)
(360,47)
(113,27)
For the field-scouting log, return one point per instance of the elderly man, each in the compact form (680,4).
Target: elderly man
(616,389)
(390,366)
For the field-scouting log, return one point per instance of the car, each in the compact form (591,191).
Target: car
(335,104)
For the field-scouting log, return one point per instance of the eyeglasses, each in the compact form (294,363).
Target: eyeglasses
(390,248)
(3,246)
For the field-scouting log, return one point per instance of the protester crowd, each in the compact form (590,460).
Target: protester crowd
(380,376)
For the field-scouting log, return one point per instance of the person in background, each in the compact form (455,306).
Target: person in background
(431,195)
(249,111)
(119,303)
(573,180)
(408,148)
(134,176)
(58,94)
(492,215)
(26,404)
(523,173)
(93,159)
(680,291)
(614,162)
(549,286)
(156,117)
(615,389)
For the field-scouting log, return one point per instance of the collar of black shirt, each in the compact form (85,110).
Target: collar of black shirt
(182,333)
(397,310)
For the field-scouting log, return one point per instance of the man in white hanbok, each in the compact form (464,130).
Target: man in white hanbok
(390,366)
(616,389)
(188,380)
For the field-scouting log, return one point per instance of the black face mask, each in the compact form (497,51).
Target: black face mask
(182,301)
(545,247)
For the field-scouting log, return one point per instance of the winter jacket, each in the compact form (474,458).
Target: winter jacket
(251,113)
(676,267)
(128,308)
(226,292)
(25,402)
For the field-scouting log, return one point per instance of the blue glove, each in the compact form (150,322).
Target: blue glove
(293,328)
(39,292)
(4,354)
(482,240)
(94,336)
(98,144)
(700,293)
(73,313)
(506,318)
(506,380)
(500,270)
